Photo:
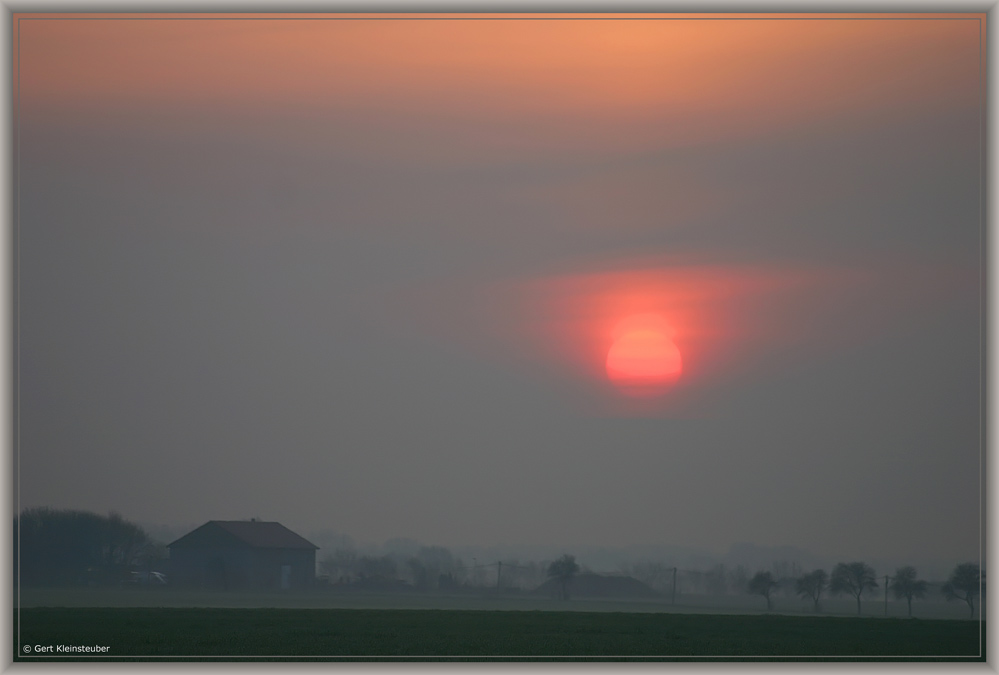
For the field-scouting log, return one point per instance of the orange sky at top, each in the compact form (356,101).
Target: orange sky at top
(703,78)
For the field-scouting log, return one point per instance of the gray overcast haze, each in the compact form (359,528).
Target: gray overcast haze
(246,297)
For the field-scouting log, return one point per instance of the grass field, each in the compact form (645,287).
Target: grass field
(485,600)
(386,634)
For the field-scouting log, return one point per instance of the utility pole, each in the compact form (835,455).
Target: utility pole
(672,600)
(886,595)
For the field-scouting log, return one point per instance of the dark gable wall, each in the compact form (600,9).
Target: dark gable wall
(266,566)
(240,567)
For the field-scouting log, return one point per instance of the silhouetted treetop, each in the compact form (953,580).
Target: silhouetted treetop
(854,578)
(965,583)
(66,547)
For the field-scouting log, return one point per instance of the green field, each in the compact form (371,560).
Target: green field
(482,600)
(383,634)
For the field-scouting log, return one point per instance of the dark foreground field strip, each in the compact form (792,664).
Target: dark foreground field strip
(482,635)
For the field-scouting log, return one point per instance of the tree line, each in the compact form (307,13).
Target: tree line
(856,579)
(70,548)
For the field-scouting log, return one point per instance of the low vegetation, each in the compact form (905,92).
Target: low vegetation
(145,633)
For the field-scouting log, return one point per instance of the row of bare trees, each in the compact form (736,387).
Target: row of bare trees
(719,579)
(857,579)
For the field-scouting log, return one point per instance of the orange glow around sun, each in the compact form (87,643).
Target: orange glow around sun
(656,336)
(643,360)
(652,336)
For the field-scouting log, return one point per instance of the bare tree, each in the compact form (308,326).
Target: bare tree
(564,569)
(785,574)
(762,583)
(812,585)
(965,583)
(122,541)
(906,585)
(854,578)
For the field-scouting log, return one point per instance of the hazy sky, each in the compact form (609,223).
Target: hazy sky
(365,275)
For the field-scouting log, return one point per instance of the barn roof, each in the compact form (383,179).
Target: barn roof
(251,533)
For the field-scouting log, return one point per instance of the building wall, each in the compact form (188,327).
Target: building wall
(268,563)
(236,568)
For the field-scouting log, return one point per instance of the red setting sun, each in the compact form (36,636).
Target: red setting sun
(643,360)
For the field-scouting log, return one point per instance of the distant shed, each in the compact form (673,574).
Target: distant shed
(242,554)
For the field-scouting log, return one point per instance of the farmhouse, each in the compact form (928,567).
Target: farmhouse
(242,554)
